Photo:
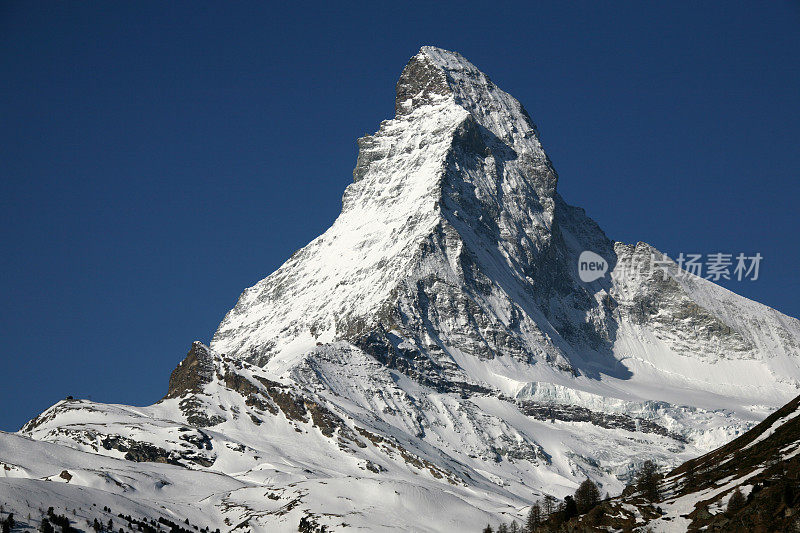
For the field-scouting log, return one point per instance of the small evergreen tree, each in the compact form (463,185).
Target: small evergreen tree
(549,505)
(587,496)
(514,527)
(503,528)
(647,481)
(736,502)
(534,518)
(570,508)
(488,529)
(46,526)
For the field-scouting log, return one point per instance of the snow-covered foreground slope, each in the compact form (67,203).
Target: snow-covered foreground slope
(48,475)
(436,348)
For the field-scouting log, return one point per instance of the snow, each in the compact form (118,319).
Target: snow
(771,430)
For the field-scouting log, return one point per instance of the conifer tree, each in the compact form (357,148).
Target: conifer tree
(736,502)
(587,496)
(549,505)
(570,508)
(534,518)
(647,481)
(46,526)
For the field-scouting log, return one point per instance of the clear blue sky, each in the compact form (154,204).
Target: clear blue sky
(157,158)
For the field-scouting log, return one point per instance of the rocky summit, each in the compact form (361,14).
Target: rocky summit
(432,362)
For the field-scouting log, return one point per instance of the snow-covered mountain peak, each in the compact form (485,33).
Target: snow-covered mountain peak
(453,248)
(460,161)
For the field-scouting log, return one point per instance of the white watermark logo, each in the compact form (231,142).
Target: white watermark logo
(716,267)
(591,266)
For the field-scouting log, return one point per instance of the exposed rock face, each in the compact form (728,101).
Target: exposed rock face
(573,413)
(146,452)
(192,373)
(419,84)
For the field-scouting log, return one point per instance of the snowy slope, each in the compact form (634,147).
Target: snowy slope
(436,346)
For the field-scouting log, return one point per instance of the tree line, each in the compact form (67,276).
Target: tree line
(551,514)
(52,522)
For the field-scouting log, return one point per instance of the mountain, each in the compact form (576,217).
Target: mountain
(436,348)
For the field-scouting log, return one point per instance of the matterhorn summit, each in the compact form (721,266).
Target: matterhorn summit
(459,173)
(435,360)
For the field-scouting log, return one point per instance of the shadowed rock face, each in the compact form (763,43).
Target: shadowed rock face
(196,369)
(419,83)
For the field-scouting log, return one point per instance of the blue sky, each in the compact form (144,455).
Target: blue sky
(156,158)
